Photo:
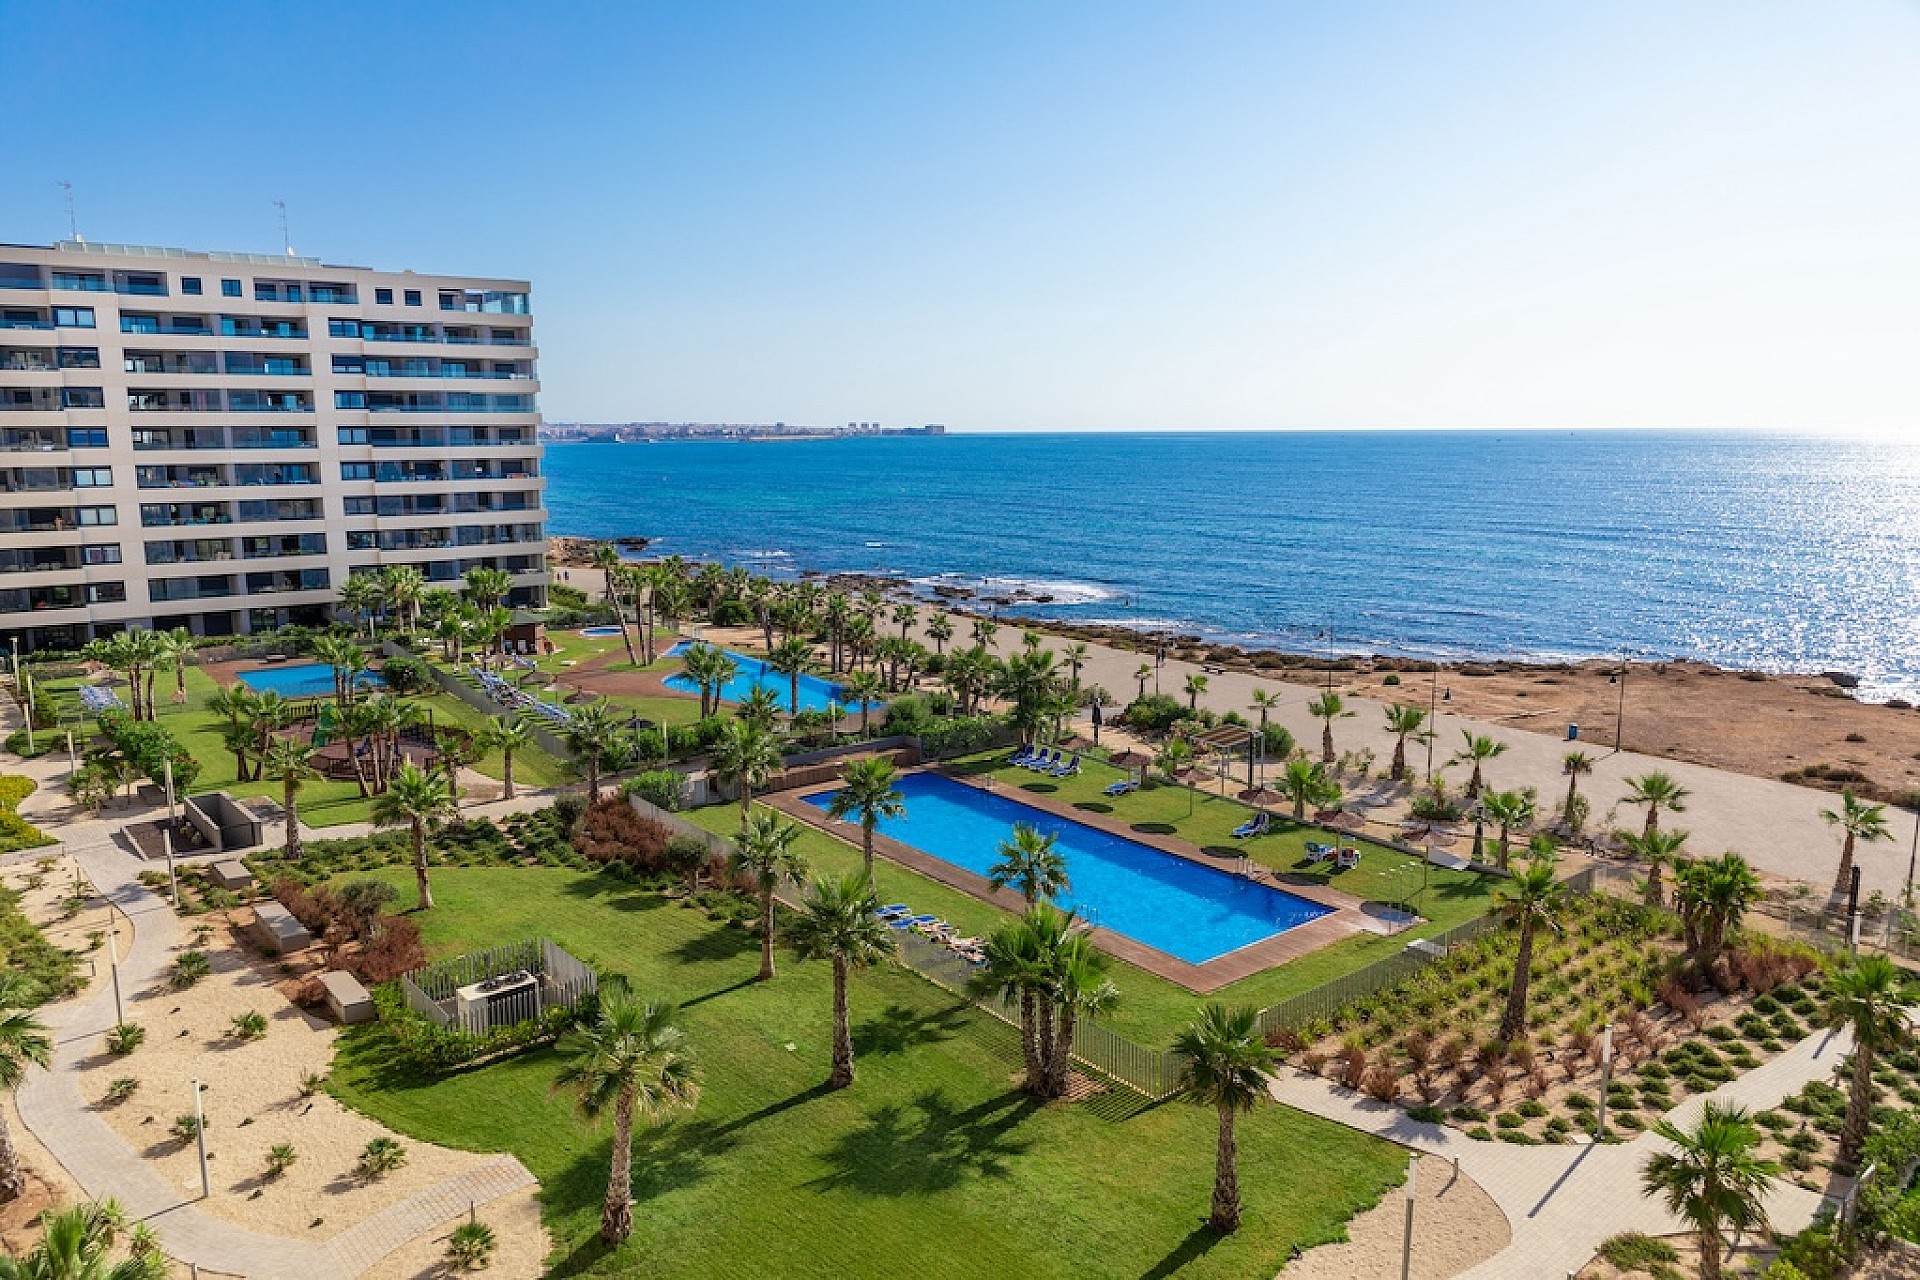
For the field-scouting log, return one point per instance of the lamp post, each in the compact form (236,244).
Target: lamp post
(166,839)
(1620,710)
(1433,718)
(1406,1242)
(1906,895)
(167,768)
(113,963)
(200,1136)
(1606,1079)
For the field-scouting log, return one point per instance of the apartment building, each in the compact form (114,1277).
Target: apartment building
(217,440)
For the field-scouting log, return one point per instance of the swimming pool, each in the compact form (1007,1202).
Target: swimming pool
(815,693)
(304,680)
(600,631)
(1193,912)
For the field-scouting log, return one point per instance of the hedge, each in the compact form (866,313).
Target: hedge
(148,745)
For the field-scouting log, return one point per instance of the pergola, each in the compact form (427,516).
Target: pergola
(1225,740)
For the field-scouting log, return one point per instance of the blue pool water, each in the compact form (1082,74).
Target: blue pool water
(306,680)
(1193,912)
(599,631)
(815,693)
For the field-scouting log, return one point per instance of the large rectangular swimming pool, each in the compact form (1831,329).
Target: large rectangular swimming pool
(1190,911)
(815,693)
(304,680)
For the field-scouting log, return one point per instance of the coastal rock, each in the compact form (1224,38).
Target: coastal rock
(632,542)
(1843,679)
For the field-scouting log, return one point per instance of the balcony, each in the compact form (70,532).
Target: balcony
(210,587)
(40,520)
(50,599)
(250,327)
(269,402)
(162,515)
(188,476)
(275,473)
(151,400)
(29,399)
(143,323)
(263,509)
(39,560)
(280,545)
(53,479)
(254,438)
(145,438)
(279,581)
(27,360)
(32,440)
(489,301)
(194,551)
(24,322)
(249,364)
(188,362)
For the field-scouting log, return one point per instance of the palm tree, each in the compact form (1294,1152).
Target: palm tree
(360,595)
(1030,683)
(905,615)
(1508,811)
(347,660)
(175,647)
(1404,720)
(1030,862)
(761,708)
(1142,674)
(863,687)
(1018,963)
(486,587)
(792,658)
(1305,782)
(1712,895)
(940,630)
(1079,988)
(1226,1066)
(1175,755)
(24,1042)
(1657,791)
(402,585)
(591,734)
(983,631)
(1478,750)
(1657,849)
(506,735)
(1864,998)
(414,799)
(1574,764)
(290,763)
(1076,655)
(634,1060)
(1530,900)
(1195,685)
(764,850)
(1327,708)
(75,1246)
(744,757)
(1860,822)
(1712,1179)
(867,788)
(837,923)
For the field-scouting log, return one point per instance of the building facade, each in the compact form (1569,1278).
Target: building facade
(216,441)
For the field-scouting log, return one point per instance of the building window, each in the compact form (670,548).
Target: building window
(353,435)
(229,288)
(383,297)
(93,477)
(356,471)
(349,399)
(343,328)
(101,553)
(190,284)
(106,592)
(359,507)
(82,398)
(91,516)
(73,317)
(413,297)
(86,437)
(79,357)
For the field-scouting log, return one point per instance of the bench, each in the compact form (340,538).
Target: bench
(347,1000)
(229,874)
(276,930)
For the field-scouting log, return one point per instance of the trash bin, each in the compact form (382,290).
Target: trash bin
(1573,732)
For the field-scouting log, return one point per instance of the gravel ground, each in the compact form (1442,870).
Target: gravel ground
(1455,1226)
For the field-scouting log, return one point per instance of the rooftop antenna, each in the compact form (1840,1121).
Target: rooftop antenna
(285,238)
(73,222)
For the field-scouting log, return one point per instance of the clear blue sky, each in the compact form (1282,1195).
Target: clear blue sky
(1032,215)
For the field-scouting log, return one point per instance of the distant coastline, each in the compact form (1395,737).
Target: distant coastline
(728,432)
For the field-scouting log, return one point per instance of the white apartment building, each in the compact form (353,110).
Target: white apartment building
(217,440)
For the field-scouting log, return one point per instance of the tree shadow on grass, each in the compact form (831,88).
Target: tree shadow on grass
(722,942)
(616,894)
(1094,806)
(929,1146)
(1040,788)
(1198,1243)
(898,1028)
(1156,828)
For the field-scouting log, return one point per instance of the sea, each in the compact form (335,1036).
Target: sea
(1746,550)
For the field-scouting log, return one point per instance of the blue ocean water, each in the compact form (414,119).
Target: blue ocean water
(1189,911)
(1748,550)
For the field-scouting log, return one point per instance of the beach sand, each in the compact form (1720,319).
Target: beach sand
(1455,1226)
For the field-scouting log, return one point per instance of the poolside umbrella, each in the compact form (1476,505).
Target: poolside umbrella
(1261,797)
(1131,760)
(1349,821)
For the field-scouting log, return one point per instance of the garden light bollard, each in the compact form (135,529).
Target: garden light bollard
(169,777)
(113,962)
(200,1137)
(1606,1080)
(1406,1244)
(166,838)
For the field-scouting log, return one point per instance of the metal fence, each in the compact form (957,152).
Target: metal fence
(1329,997)
(563,982)
(1891,931)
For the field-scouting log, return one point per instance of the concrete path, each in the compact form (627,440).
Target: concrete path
(1561,1202)
(1776,825)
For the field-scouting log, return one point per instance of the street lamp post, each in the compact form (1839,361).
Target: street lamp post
(1906,895)
(1406,1242)
(1606,1079)
(1433,716)
(1620,711)
(200,1136)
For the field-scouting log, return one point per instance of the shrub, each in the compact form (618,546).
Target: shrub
(189,967)
(1531,1109)
(185,1128)
(959,736)
(395,949)
(148,745)
(1510,1120)
(1633,1251)
(280,1158)
(251,1025)
(471,1246)
(120,1088)
(381,1157)
(312,1083)
(124,1038)
(406,674)
(658,787)
(1428,1114)
(612,831)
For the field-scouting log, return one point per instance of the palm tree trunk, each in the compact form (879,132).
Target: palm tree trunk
(616,1213)
(1029,1038)
(1043,1044)
(1853,1134)
(593,777)
(506,774)
(746,799)
(620,618)
(1653,819)
(793,695)
(1655,892)
(1573,791)
(1473,783)
(13,1180)
(842,1032)
(1843,883)
(766,934)
(420,864)
(1226,1176)
(1710,1251)
(1326,743)
(1399,769)
(866,844)
(1515,1019)
(1061,1062)
(292,806)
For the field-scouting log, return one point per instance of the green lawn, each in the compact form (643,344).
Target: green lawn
(1153,1009)
(930,1162)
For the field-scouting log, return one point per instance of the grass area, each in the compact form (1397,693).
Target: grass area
(1153,1009)
(931,1155)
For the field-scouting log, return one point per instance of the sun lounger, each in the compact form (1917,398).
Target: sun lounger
(964,944)
(1319,852)
(894,909)
(1021,755)
(1347,859)
(911,922)
(1254,826)
(1067,770)
(1122,788)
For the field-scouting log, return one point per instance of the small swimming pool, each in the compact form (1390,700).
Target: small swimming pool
(1190,911)
(597,632)
(815,693)
(304,680)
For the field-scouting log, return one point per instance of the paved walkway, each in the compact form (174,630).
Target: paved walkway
(51,1104)
(1561,1202)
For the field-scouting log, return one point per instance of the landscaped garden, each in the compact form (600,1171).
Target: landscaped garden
(931,1154)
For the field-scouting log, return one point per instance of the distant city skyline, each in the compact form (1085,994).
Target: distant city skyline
(1014,217)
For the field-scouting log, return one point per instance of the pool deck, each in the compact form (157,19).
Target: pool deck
(1347,916)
